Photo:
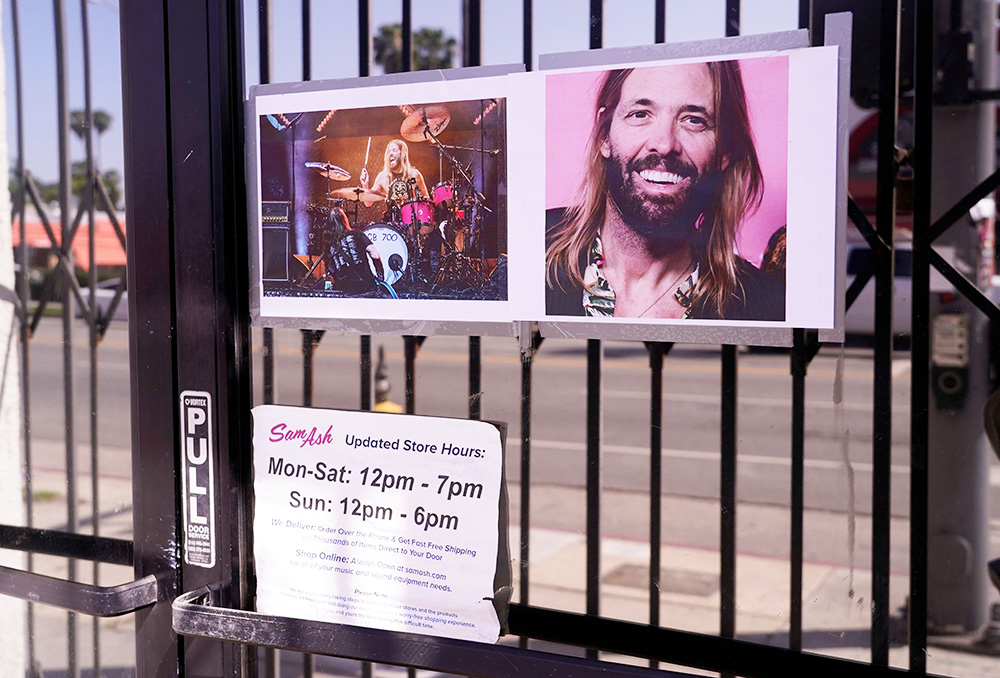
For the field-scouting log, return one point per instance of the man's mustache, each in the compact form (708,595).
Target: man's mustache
(662,163)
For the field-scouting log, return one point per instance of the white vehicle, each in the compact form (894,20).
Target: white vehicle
(860,317)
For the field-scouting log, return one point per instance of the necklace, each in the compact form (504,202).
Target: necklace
(665,290)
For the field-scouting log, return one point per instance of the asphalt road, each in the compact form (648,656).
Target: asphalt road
(838,435)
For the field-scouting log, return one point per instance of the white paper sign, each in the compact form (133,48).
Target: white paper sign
(377,520)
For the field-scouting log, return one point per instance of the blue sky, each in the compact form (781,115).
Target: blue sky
(560,26)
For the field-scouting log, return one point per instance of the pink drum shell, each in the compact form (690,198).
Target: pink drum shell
(417,211)
(443,194)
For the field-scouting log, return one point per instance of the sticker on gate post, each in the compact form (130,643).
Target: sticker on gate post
(197,478)
(386,521)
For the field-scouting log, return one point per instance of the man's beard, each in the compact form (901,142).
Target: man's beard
(667,218)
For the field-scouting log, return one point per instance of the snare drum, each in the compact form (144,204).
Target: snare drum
(392,250)
(443,194)
(417,211)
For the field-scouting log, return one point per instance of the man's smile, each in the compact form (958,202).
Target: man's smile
(660,178)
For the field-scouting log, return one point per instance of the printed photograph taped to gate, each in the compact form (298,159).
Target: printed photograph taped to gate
(390,202)
(666,191)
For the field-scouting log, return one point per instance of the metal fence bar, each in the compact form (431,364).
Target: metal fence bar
(727,492)
(475,378)
(595,354)
(265,40)
(884,284)
(24,334)
(593,573)
(660,22)
(527,363)
(407,29)
(656,352)
(528,35)
(62,89)
(596,24)
(93,315)
(798,368)
(920,339)
(307,39)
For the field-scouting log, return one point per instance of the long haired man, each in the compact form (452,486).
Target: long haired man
(671,171)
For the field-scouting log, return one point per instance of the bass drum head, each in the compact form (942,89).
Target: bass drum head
(392,250)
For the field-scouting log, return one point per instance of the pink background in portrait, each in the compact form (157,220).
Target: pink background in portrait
(569,111)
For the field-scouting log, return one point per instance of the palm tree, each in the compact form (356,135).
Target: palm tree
(431,49)
(101,121)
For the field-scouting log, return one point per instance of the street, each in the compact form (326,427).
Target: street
(837,435)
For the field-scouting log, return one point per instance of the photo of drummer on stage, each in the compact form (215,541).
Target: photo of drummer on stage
(393,202)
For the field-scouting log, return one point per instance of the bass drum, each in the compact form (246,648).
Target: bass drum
(392,249)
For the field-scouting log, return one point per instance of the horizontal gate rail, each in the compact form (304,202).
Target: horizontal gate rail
(98,601)
(69,544)
(194,614)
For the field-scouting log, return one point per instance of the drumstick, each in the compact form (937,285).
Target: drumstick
(366,151)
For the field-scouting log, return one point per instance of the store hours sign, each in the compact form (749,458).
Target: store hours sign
(380,520)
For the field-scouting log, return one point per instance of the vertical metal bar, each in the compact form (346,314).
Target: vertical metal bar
(364,70)
(24,334)
(727,582)
(366,372)
(307,39)
(655,479)
(727,495)
(308,350)
(660,21)
(475,378)
(527,363)
(151,351)
(595,353)
(265,41)
(407,30)
(882,379)
(799,364)
(410,372)
(528,36)
(93,317)
(596,24)
(805,14)
(67,306)
(472,45)
(364,38)
(594,360)
(268,365)
(920,340)
(732,18)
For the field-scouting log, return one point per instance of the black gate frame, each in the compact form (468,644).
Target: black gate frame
(183,104)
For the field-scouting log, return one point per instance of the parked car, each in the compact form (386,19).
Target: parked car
(860,317)
(104,294)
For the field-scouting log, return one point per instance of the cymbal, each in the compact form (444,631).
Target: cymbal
(330,171)
(413,128)
(356,193)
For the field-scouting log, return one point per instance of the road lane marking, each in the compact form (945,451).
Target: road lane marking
(715,457)
(744,400)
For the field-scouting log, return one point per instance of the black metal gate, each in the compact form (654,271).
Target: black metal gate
(183,76)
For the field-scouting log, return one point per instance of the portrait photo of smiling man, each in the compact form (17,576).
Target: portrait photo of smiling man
(666,182)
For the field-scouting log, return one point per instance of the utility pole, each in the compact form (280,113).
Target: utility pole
(963,156)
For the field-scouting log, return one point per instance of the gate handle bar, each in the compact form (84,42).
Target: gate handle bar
(196,613)
(97,601)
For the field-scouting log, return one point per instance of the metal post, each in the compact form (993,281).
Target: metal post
(920,347)
(958,453)
(67,306)
(882,380)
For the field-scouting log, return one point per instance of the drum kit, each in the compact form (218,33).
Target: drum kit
(428,244)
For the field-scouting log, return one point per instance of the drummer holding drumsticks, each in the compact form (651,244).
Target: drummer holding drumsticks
(396,168)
